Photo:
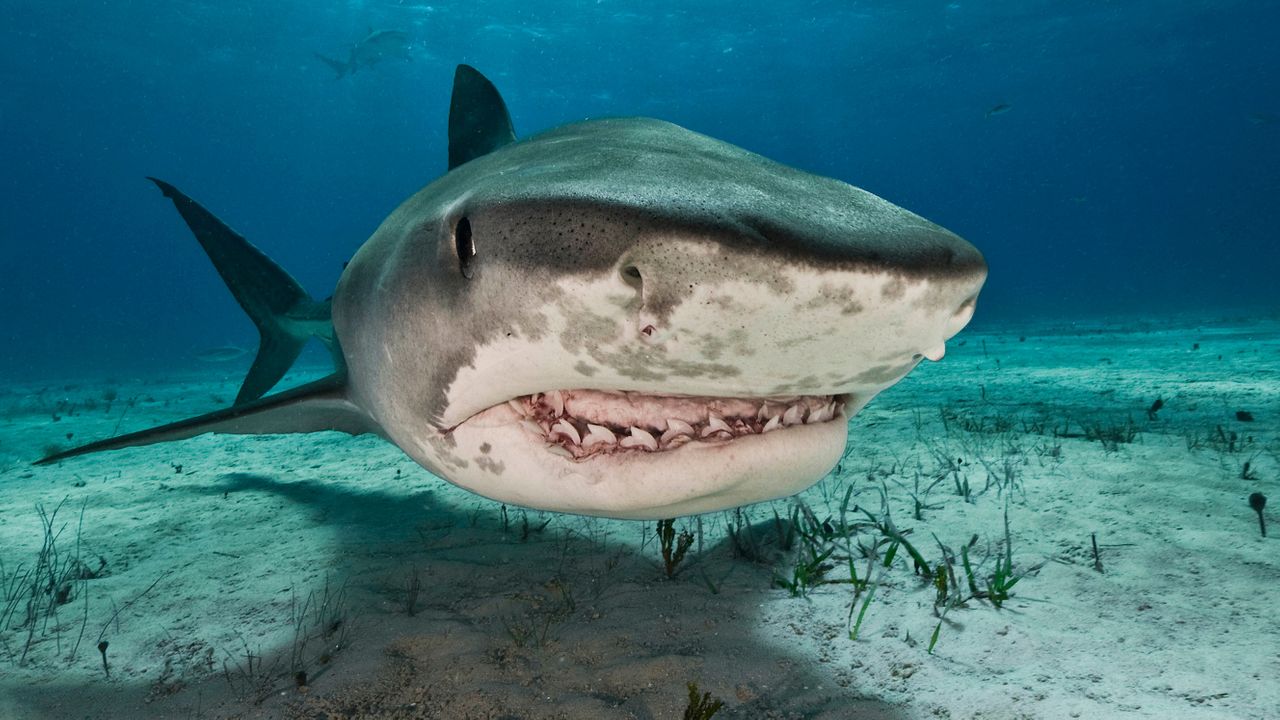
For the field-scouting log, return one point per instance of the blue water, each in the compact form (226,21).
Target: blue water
(1135,171)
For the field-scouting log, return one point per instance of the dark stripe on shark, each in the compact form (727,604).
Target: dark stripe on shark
(316,406)
(601,183)
(593,233)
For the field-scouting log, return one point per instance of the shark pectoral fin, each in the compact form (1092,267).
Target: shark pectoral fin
(478,119)
(269,294)
(314,407)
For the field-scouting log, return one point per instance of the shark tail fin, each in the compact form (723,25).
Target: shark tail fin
(478,119)
(339,67)
(286,316)
(316,406)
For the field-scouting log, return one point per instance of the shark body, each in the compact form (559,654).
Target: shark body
(370,50)
(619,318)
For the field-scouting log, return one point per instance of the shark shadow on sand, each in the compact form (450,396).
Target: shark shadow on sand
(507,616)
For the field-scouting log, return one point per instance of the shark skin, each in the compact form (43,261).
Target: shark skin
(621,318)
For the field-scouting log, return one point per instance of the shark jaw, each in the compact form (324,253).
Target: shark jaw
(636,455)
(580,425)
(609,412)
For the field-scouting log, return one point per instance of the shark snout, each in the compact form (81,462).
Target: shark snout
(703,317)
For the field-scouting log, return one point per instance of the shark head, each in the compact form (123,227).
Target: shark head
(629,319)
(619,318)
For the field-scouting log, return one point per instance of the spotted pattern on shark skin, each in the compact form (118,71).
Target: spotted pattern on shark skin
(712,347)
(490,465)
(588,329)
(444,446)
(832,295)
(934,295)
(601,338)
(883,374)
(894,289)
(796,385)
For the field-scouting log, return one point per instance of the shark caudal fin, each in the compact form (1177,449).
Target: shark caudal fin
(478,119)
(338,67)
(316,406)
(286,316)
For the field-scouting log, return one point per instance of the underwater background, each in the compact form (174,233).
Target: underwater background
(1103,435)
(1109,158)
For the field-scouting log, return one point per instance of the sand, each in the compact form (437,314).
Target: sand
(220,568)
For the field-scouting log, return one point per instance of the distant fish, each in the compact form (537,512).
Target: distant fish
(516,29)
(372,49)
(999,109)
(1264,118)
(226,353)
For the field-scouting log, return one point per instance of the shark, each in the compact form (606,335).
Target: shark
(617,317)
(368,51)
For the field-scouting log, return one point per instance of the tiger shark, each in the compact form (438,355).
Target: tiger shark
(617,317)
(368,51)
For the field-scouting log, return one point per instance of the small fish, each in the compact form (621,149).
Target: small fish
(1264,118)
(225,353)
(999,109)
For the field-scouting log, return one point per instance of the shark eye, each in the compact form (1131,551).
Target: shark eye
(465,246)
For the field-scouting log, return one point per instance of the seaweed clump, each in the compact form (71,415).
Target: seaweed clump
(701,707)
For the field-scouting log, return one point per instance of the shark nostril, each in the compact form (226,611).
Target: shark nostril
(645,322)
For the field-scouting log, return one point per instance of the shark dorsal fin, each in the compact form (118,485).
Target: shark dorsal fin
(478,119)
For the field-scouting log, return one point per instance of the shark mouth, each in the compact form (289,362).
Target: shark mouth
(581,424)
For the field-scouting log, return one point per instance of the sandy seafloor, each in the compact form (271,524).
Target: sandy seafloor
(213,546)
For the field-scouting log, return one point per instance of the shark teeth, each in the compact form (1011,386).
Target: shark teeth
(793,416)
(576,424)
(561,451)
(676,428)
(557,402)
(564,428)
(822,414)
(598,435)
(716,425)
(639,438)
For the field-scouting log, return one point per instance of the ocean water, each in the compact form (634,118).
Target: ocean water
(1131,174)
(1115,163)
